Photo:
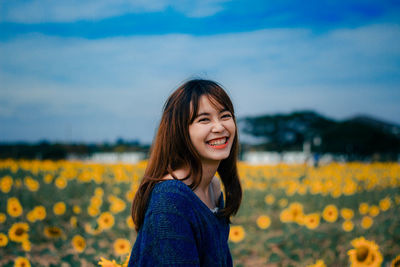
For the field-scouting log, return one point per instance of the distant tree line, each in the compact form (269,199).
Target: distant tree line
(358,137)
(57,151)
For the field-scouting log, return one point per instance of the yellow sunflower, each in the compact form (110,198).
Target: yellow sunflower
(59,208)
(3,240)
(269,199)
(73,221)
(312,220)
(52,232)
(330,213)
(296,211)
(90,230)
(96,201)
(385,204)
(76,209)
(365,253)
(18,232)
(105,220)
(129,222)
(285,216)
(236,233)
(374,211)
(78,243)
(366,222)
(99,191)
(31,216)
(14,208)
(348,226)
(117,204)
(302,190)
(22,262)
(319,263)
(283,202)
(121,246)
(61,182)
(26,245)
(93,211)
(107,263)
(130,194)
(347,214)
(31,184)
(40,212)
(3,217)
(363,208)
(48,178)
(6,184)
(395,262)
(263,222)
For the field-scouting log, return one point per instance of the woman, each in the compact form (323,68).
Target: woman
(179,209)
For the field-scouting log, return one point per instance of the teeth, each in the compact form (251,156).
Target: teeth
(218,142)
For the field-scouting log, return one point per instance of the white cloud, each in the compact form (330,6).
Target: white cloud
(38,11)
(124,81)
(202,8)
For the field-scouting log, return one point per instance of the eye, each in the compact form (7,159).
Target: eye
(203,120)
(226,116)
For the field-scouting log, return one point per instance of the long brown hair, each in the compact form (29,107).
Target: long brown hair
(172,148)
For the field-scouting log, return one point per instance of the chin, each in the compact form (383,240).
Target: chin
(215,157)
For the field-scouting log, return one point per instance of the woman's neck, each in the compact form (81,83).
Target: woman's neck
(202,190)
(209,170)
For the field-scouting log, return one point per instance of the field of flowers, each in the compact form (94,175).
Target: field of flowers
(78,214)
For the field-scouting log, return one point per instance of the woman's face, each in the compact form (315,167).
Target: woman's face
(212,131)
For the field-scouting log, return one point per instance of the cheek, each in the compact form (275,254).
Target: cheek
(196,134)
(231,127)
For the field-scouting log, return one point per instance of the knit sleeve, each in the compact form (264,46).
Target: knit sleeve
(167,236)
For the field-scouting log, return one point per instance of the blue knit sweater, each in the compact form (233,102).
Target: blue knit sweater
(180,230)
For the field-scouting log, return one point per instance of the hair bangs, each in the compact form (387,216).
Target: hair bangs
(216,95)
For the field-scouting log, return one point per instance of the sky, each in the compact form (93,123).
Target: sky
(98,70)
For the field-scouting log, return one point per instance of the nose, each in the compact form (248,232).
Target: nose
(217,127)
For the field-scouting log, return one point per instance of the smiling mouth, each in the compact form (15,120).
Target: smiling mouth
(218,143)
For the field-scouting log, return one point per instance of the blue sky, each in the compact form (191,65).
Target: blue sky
(94,71)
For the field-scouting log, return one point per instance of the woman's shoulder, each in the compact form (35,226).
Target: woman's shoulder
(171,199)
(170,187)
(170,193)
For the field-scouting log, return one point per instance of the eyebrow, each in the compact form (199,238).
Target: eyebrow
(207,114)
